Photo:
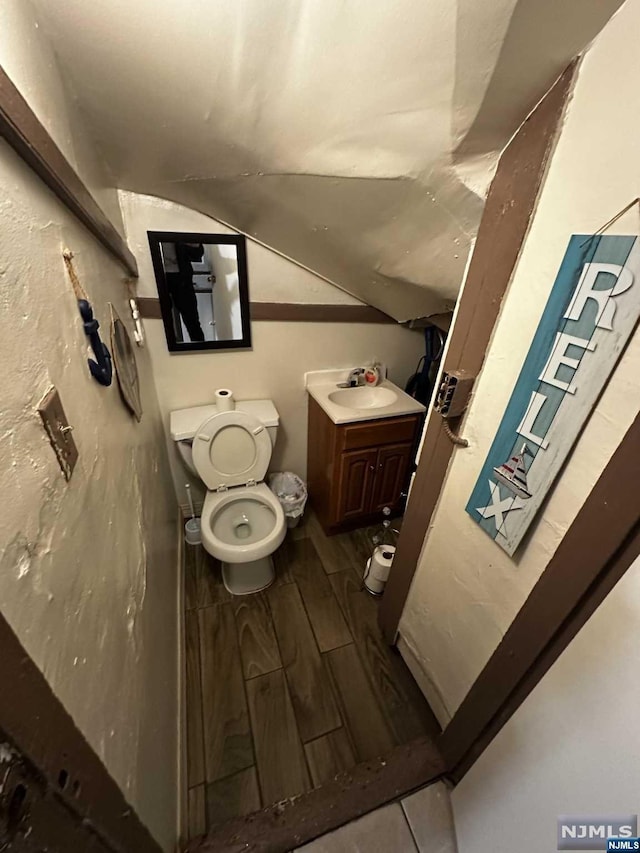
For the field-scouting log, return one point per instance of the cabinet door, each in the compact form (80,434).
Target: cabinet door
(357,470)
(392,470)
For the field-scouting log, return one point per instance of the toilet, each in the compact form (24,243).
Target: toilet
(242,522)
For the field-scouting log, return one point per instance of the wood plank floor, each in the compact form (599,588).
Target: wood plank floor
(288,688)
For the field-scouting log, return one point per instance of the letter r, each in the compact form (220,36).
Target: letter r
(585,290)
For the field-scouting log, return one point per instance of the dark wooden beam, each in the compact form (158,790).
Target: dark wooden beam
(596,550)
(307,313)
(24,132)
(503,228)
(287,825)
(290,312)
(149,307)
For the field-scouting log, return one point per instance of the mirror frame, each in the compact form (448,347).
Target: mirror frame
(237,240)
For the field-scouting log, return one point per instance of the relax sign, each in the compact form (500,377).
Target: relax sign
(592,309)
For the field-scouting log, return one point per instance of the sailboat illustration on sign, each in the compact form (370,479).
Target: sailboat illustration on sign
(513,473)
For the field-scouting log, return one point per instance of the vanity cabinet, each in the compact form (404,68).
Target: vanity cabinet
(356,469)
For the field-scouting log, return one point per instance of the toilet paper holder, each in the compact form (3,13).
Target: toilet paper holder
(378,568)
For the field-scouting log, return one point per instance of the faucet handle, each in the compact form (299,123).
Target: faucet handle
(355,378)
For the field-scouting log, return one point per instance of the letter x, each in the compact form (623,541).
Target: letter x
(499,507)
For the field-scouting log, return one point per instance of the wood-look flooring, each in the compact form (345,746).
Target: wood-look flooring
(289,687)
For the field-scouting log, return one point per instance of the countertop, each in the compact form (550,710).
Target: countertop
(321,383)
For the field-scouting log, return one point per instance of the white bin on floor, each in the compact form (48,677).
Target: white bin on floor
(291,491)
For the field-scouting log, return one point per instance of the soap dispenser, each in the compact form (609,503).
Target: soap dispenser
(373,374)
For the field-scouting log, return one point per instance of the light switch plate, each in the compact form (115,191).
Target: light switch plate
(59,431)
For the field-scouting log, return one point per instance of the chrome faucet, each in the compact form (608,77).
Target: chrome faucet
(356,377)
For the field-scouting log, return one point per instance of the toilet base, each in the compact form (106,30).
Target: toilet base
(248,578)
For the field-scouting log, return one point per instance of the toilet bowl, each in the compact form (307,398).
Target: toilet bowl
(242,528)
(242,522)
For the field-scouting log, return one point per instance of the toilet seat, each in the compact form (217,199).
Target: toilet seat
(231,449)
(256,499)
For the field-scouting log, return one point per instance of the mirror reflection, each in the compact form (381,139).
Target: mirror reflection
(203,290)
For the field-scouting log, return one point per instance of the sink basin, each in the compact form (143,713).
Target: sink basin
(363,403)
(363,397)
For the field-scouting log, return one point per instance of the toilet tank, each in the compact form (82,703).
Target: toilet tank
(184,423)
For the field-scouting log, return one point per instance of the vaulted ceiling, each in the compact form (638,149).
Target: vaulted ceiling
(357,137)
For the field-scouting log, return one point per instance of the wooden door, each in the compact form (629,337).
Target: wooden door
(505,220)
(34,819)
(392,469)
(55,792)
(357,470)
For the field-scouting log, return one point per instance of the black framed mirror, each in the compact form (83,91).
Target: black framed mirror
(203,289)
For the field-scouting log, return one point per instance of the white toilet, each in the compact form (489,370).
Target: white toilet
(242,521)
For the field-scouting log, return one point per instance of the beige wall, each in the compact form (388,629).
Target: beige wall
(30,61)
(281,352)
(467,591)
(88,569)
(572,747)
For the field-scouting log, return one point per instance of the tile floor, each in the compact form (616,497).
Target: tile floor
(289,687)
(421,823)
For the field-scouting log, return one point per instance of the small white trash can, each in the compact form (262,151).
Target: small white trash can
(291,491)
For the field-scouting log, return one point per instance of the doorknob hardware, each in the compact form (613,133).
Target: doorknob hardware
(15,800)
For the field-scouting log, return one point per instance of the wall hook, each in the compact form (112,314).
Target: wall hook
(101,369)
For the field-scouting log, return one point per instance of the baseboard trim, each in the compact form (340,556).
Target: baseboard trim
(424,682)
(181,816)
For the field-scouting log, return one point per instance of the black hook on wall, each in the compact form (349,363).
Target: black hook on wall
(101,369)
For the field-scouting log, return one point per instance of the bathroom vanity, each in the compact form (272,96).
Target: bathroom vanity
(360,450)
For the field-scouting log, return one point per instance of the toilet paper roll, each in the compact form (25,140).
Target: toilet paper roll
(224,400)
(378,567)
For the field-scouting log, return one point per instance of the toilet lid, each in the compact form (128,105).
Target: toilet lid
(231,449)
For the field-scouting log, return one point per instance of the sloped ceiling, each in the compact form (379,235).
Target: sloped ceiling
(357,137)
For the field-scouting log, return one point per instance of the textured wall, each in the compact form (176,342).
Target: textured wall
(467,591)
(281,352)
(29,59)
(88,568)
(571,748)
